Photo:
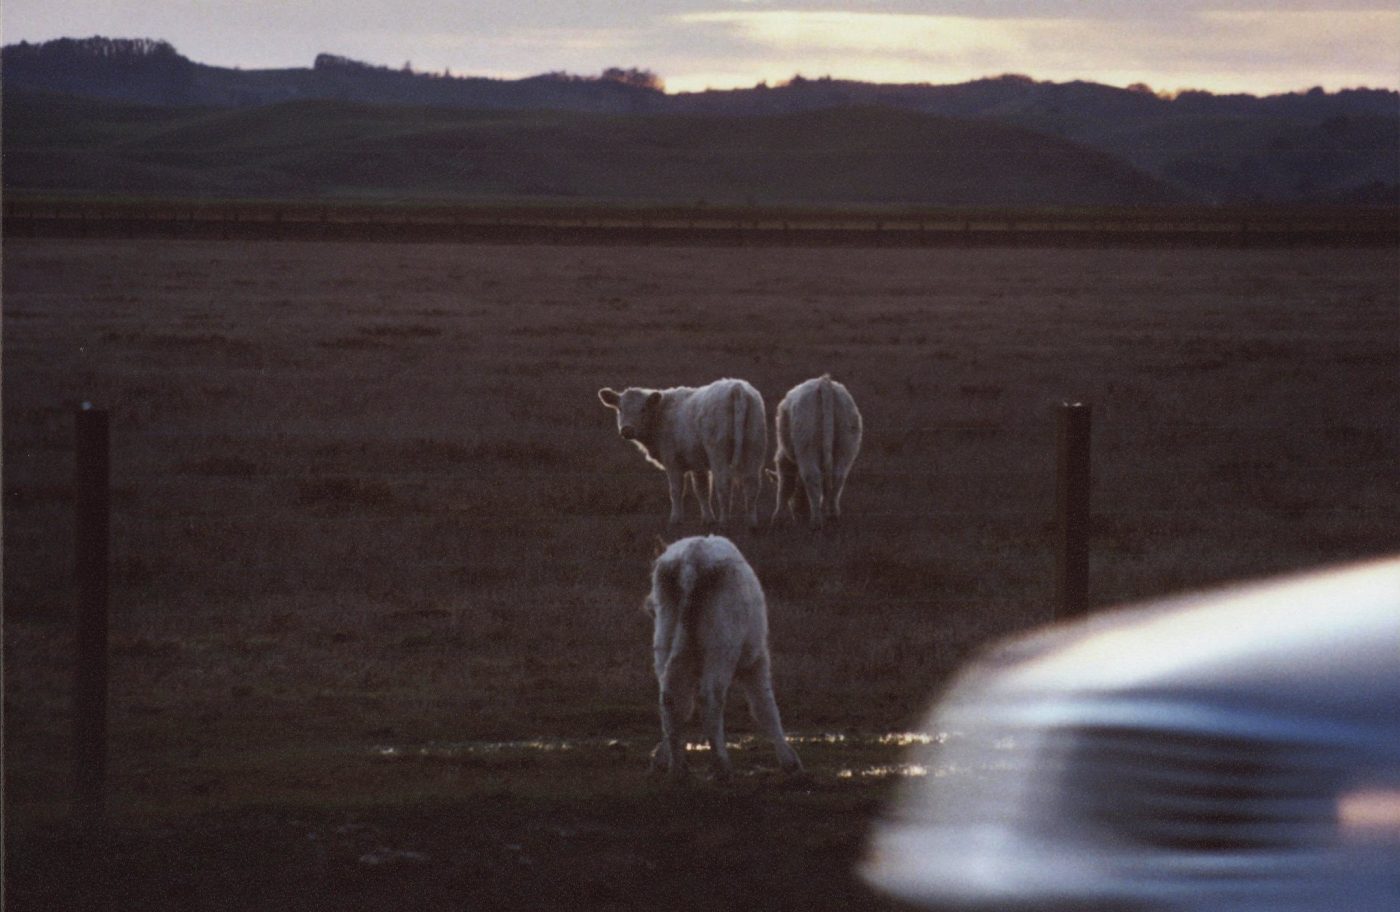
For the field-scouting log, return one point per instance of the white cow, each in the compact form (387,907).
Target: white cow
(718,432)
(819,430)
(711,630)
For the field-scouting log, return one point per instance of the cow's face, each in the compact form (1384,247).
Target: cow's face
(636,410)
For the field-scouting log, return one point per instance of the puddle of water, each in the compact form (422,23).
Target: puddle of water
(884,771)
(914,763)
(904,739)
(463,750)
(480,748)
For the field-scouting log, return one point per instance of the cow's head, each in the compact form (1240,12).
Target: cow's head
(636,410)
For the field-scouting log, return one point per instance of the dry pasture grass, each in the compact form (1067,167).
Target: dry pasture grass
(364,493)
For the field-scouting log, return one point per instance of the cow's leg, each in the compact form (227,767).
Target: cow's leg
(757,683)
(797,500)
(699,483)
(838,486)
(722,490)
(713,690)
(675,484)
(812,482)
(751,484)
(677,704)
(785,474)
(681,711)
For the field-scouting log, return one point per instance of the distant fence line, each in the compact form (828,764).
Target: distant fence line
(729,228)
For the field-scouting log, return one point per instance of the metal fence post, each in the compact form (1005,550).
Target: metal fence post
(92,525)
(1072,511)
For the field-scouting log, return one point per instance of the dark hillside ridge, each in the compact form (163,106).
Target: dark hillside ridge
(343,150)
(141,71)
(1314,146)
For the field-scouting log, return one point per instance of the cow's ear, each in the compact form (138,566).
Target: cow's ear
(654,399)
(609,397)
(659,548)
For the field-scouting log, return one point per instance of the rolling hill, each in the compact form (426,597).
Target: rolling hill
(348,150)
(1309,147)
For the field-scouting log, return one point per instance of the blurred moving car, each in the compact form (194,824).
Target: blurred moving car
(1231,751)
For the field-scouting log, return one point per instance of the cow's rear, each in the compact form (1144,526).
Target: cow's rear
(819,431)
(734,431)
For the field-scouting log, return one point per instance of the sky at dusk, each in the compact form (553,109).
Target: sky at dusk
(1247,46)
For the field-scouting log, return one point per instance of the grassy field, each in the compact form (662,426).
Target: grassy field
(374,537)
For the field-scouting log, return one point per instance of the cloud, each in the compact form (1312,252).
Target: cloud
(1225,50)
(868,34)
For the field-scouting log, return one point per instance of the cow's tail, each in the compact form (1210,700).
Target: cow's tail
(695,589)
(826,408)
(739,408)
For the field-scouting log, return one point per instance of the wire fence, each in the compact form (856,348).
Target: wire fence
(221,536)
(299,221)
(230,468)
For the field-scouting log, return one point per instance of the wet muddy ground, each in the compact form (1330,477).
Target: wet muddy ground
(536,825)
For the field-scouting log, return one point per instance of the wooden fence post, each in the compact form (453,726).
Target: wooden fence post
(1072,511)
(92,525)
